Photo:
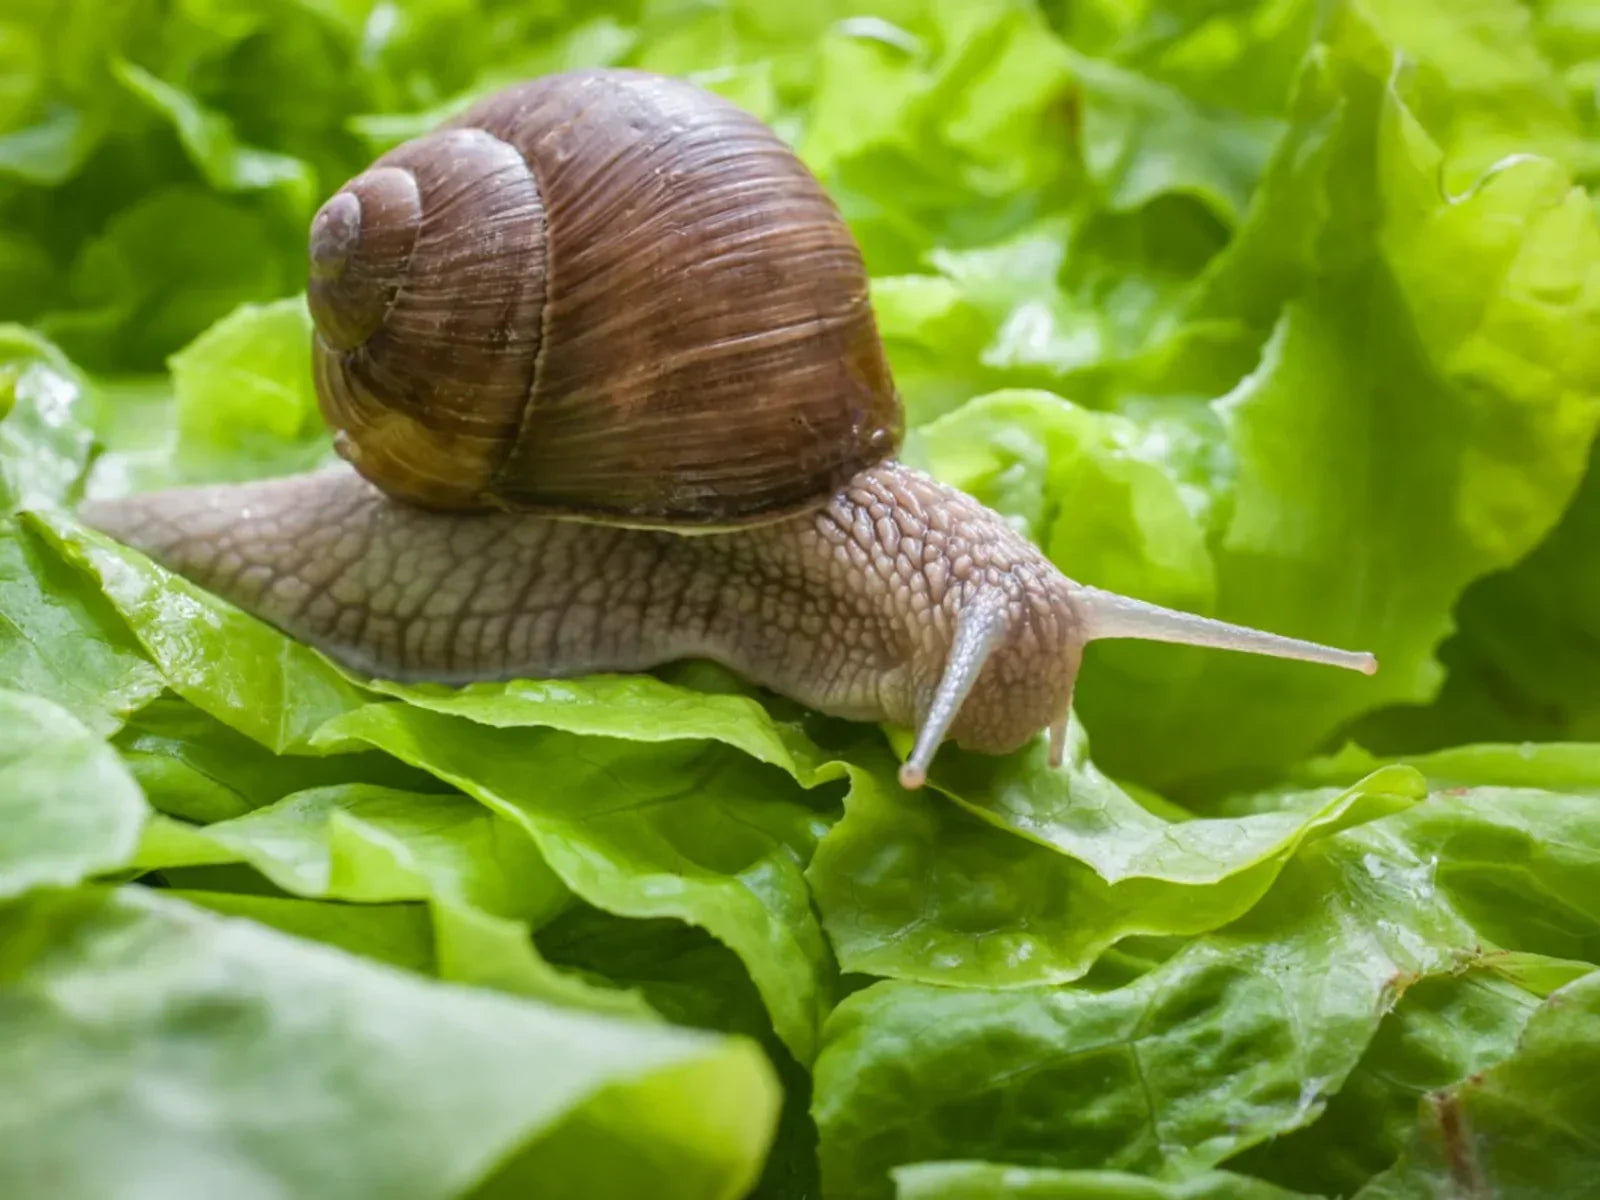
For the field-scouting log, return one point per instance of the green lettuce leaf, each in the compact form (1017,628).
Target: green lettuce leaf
(226,663)
(1143,139)
(1552,766)
(692,979)
(1443,1030)
(62,640)
(359,842)
(1046,873)
(1238,1037)
(1526,879)
(209,140)
(69,808)
(1221,72)
(992,1181)
(161,271)
(1566,35)
(45,442)
(1526,1126)
(27,275)
(607,706)
(194,767)
(248,1059)
(49,151)
(1421,415)
(936,122)
(1174,111)
(399,935)
(1527,651)
(1076,810)
(135,435)
(119,125)
(688,830)
(1480,82)
(1070,302)
(58,637)
(483,879)
(245,403)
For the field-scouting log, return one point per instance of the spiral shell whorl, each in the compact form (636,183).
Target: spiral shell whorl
(361,242)
(604,293)
(426,288)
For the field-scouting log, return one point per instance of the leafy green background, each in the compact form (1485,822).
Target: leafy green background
(1286,311)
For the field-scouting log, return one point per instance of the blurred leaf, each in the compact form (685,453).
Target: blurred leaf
(991,1181)
(49,151)
(61,640)
(384,1081)
(161,272)
(1143,139)
(68,808)
(1525,658)
(397,935)
(45,441)
(943,124)
(209,140)
(1477,81)
(1554,767)
(692,979)
(246,406)
(1422,346)
(683,830)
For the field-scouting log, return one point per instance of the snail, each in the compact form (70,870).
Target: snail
(600,357)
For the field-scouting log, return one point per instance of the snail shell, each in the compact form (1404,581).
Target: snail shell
(601,293)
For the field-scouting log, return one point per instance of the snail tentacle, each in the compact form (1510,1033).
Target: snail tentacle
(1108,615)
(980,626)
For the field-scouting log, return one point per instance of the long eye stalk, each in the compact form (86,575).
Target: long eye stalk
(1103,615)
(978,631)
(1108,615)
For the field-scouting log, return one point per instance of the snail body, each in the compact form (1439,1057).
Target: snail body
(849,610)
(601,359)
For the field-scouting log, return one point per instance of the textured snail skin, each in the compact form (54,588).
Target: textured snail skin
(850,610)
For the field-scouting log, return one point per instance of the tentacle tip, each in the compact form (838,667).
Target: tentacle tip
(1058,743)
(1368,664)
(912,777)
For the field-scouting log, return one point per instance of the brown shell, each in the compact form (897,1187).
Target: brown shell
(604,293)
